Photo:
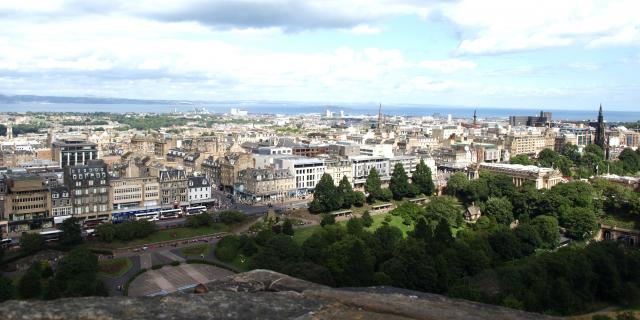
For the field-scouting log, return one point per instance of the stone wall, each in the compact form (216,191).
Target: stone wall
(263,294)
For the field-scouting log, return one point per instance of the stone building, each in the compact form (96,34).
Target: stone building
(26,203)
(260,185)
(60,201)
(543,178)
(135,192)
(70,152)
(173,188)
(89,188)
(230,165)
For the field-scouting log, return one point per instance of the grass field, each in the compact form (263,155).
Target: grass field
(115,267)
(172,234)
(302,234)
(196,250)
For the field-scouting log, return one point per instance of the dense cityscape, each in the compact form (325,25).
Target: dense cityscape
(425,203)
(319,159)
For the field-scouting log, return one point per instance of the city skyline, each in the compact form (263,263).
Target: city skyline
(573,55)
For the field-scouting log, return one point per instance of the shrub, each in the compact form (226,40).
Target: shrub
(230,216)
(227,253)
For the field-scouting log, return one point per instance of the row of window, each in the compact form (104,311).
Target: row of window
(29,207)
(28,199)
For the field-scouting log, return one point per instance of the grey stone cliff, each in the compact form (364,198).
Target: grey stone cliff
(263,294)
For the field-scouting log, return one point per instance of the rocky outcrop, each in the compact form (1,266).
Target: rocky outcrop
(263,294)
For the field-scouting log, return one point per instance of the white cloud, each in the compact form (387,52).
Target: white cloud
(447,66)
(498,26)
(365,29)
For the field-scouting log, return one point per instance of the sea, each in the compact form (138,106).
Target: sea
(288,108)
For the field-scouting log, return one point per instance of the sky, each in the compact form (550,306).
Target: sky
(568,54)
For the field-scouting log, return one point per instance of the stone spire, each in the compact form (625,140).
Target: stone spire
(475,118)
(600,130)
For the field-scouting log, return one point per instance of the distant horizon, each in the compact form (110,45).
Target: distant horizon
(42,99)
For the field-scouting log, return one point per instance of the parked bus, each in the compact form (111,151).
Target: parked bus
(51,235)
(149,216)
(125,215)
(5,243)
(170,214)
(196,210)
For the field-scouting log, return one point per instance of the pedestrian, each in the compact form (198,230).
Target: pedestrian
(202,256)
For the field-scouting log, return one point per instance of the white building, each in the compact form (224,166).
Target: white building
(377,150)
(308,171)
(199,190)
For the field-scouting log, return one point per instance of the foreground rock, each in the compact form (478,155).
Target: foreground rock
(262,294)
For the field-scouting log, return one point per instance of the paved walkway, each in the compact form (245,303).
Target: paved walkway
(145,260)
(170,279)
(172,256)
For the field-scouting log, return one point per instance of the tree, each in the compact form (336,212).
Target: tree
(6,289)
(630,161)
(327,219)
(499,208)
(372,186)
(359,198)
(399,184)
(351,262)
(200,220)
(547,158)
(279,251)
(595,150)
(385,195)
(548,230)
(31,243)
(422,230)
(348,195)
(580,222)
(528,237)
(446,207)
(422,179)
(564,164)
(367,221)
(505,244)
(287,227)
(71,231)
(310,272)
(231,216)
(355,226)
(30,285)
(325,196)
(457,184)
(77,275)
(522,159)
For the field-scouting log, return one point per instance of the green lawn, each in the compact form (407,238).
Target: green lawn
(196,250)
(115,267)
(302,234)
(172,234)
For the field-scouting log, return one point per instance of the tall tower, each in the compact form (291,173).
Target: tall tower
(600,139)
(379,116)
(475,118)
(9,131)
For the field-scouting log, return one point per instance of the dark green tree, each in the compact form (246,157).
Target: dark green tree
(547,158)
(422,230)
(457,184)
(367,221)
(31,243)
(548,230)
(580,222)
(422,179)
(359,198)
(7,291)
(399,184)
(522,159)
(77,275)
(348,195)
(499,208)
(71,231)
(287,227)
(444,207)
(372,186)
(30,285)
(325,196)
(327,219)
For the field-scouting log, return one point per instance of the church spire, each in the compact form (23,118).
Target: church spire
(475,118)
